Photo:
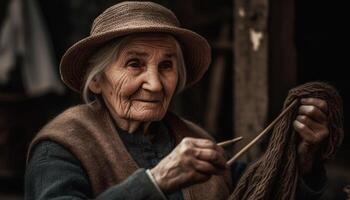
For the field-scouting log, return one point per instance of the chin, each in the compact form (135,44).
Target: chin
(148,115)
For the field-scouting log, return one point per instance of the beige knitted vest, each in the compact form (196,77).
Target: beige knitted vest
(88,133)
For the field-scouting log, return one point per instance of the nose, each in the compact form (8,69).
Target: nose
(152,81)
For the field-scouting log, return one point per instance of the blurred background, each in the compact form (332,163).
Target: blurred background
(261,49)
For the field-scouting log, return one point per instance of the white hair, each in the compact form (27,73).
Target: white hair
(106,54)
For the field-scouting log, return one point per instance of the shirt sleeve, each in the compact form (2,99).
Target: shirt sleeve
(55,173)
(313,185)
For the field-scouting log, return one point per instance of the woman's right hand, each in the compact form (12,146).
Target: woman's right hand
(192,161)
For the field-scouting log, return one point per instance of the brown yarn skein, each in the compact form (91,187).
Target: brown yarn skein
(275,174)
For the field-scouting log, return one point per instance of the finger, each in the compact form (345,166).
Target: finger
(319,103)
(316,127)
(313,112)
(320,130)
(198,142)
(207,168)
(208,144)
(305,132)
(211,156)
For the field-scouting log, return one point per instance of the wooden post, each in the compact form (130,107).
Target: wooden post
(250,70)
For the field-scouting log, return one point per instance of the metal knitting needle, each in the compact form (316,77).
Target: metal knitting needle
(228,142)
(257,138)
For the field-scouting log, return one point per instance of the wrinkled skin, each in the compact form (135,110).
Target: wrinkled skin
(312,126)
(194,161)
(137,89)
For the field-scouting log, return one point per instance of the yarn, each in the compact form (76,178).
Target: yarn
(275,174)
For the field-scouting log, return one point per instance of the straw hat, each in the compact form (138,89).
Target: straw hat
(135,17)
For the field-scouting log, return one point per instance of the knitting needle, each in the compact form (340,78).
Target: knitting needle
(257,138)
(228,142)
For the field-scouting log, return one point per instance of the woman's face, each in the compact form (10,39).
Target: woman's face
(140,84)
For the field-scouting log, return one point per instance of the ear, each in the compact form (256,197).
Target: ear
(95,85)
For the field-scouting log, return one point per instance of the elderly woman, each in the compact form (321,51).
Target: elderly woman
(123,143)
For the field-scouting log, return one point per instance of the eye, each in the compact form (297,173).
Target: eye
(134,63)
(166,64)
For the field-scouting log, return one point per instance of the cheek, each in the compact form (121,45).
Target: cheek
(117,90)
(121,85)
(170,83)
(129,86)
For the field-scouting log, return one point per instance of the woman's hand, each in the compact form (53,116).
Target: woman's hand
(312,125)
(192,161)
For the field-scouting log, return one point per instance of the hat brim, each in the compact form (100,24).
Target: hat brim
(196,51)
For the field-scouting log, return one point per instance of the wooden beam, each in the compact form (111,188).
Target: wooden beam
(250,70)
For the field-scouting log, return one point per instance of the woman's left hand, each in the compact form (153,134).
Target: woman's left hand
(312,125)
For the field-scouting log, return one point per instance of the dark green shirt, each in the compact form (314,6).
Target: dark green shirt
(55,173)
